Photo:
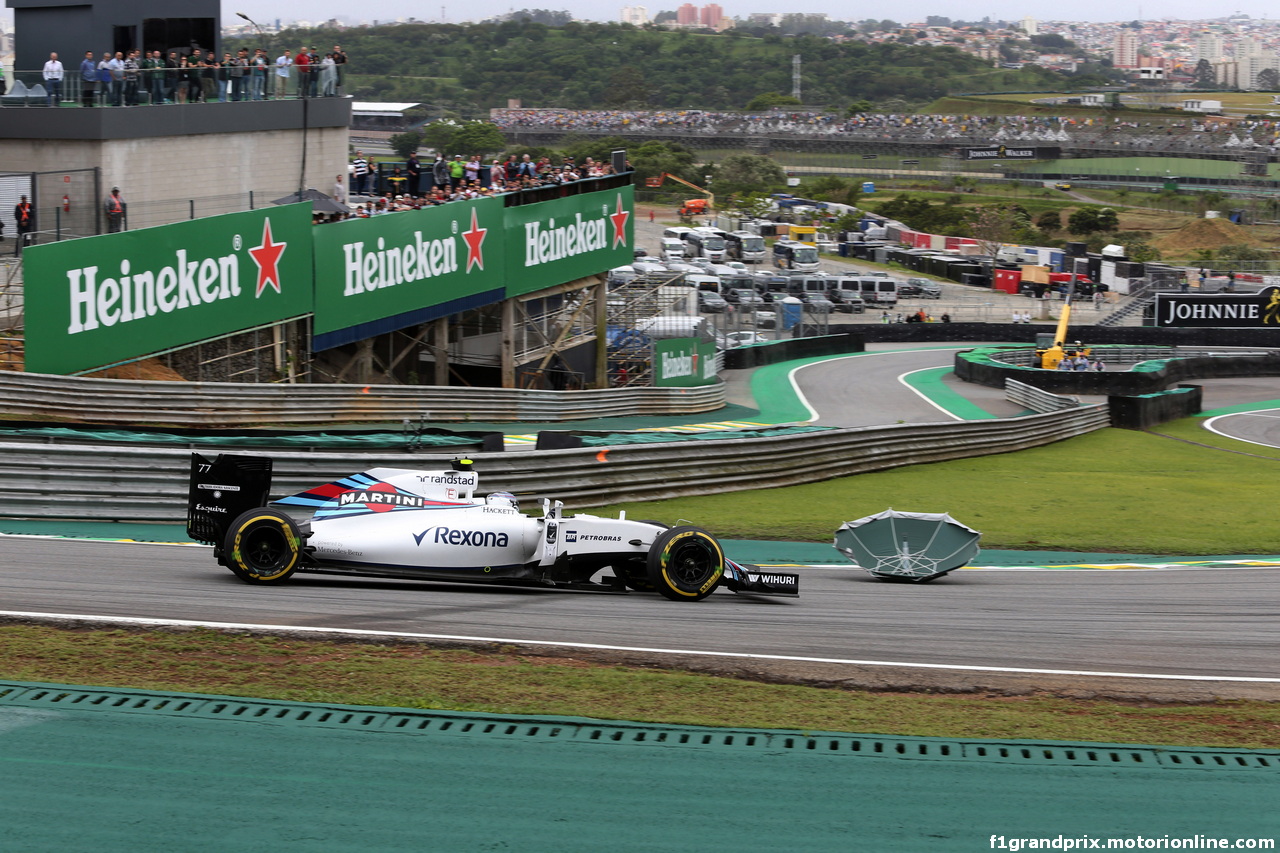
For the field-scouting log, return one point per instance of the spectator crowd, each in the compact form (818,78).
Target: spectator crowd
(456,178)
(187,77)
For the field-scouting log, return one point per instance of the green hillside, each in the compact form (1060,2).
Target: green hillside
(476,67)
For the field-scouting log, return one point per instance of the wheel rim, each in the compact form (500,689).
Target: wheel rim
(692,564)
(265,549)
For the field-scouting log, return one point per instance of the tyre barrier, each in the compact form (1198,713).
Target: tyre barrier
(122,483)
(992,367)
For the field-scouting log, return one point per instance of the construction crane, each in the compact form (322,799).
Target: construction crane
(688,209)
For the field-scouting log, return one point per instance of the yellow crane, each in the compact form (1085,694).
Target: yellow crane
(687,209)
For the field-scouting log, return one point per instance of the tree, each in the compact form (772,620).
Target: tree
(439,135)
(1092,220)
(1268,80)
(478,137)
(993,225)
(748,173)
(763,102)
(1204,76)
(1049,221)
(406,143)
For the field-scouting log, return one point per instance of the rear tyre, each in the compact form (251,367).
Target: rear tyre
(685,564)
(262,546)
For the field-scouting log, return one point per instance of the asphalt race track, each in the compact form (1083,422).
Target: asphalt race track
(1213,631)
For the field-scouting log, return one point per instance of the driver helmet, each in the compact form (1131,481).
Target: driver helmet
(503,499)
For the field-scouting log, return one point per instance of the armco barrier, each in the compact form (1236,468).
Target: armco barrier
(33,396)
(135,483)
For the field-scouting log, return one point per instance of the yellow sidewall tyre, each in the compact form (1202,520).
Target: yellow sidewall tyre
(685,564)
(262,546)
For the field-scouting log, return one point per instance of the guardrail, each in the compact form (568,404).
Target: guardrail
(123,483)
(1031,397)
(229,404)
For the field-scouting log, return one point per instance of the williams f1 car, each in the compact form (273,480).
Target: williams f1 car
(431,525)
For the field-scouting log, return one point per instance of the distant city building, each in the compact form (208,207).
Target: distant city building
(634,15)
(687,15)
(1208,46)
(1124,51)
(1031,26)
(711,16)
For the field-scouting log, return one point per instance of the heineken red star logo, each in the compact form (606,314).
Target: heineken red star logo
(619,224)
(475,242)
(267,257)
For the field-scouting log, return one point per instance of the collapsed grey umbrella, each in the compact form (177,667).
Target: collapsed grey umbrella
(320,203)
(916,546)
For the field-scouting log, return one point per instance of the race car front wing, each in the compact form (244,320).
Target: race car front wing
(744,577)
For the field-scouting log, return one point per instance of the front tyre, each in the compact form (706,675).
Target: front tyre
(262,546)
(685,564)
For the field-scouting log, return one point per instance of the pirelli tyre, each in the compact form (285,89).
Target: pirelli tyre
(262,546)
(685,564)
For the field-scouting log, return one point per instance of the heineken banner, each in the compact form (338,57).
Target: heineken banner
(1222,310)
(100,300)
(565,239)
(387,272)
(683,362)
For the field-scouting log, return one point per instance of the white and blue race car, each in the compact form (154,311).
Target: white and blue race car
(431,525)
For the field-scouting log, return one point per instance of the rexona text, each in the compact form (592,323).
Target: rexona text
(554,243)
(99,301)
(418,259)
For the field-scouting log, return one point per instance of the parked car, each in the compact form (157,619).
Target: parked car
(817,303)
(744,296)
(740,339)
(921,287)
(711,303)
(848,301)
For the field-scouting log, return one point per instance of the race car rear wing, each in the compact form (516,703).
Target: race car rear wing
(222,489)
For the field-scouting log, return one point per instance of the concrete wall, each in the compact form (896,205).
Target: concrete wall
(191,166)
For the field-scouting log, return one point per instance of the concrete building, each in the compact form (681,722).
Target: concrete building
(1124,52)
(687,15)
(634,15)
(1031,26)
(1208,46)
(711,16)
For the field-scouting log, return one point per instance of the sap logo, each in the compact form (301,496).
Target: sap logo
(453,536)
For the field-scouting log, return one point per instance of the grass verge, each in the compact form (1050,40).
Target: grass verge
(411,676)
(1110,491)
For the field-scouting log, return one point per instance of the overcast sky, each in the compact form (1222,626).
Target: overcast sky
(908,11)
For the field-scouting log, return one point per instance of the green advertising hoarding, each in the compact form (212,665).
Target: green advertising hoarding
(101,300)
(683,363)
(386,272)
(565,239)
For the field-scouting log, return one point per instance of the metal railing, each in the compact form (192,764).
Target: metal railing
(39,480)
(230,404)
(155,87)
(1035,399)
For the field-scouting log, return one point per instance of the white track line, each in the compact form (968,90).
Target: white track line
(1209,425)
(813,413)
(183,623)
